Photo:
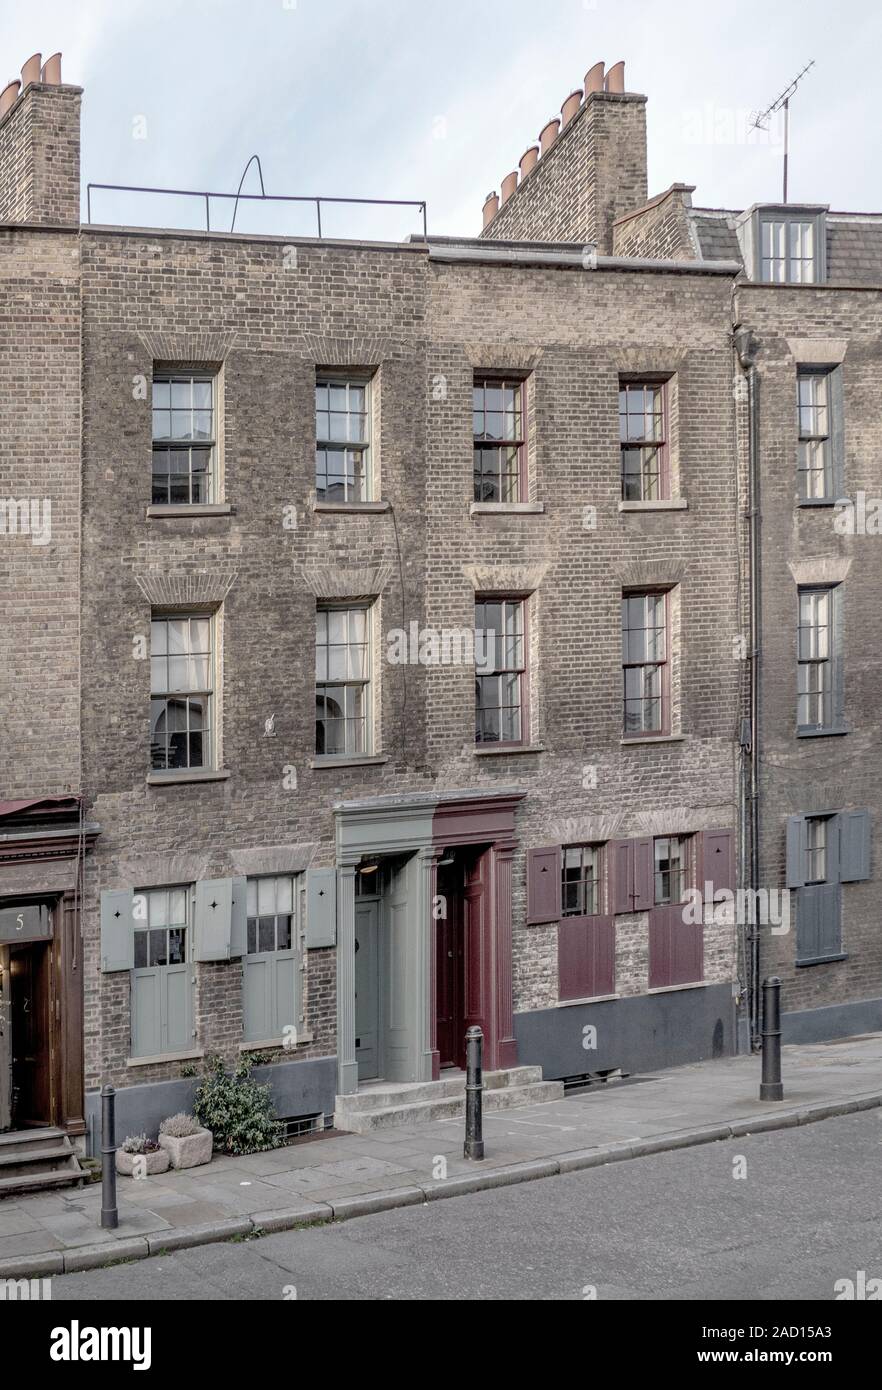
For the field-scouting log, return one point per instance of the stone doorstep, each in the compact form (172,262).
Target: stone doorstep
(344,1208)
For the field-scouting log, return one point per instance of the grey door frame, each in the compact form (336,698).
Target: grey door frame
(384,827)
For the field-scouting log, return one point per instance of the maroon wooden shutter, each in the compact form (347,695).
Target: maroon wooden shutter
(716,862)
(586,957)
(543,884)
(620,863)
(644,876)
(660,965)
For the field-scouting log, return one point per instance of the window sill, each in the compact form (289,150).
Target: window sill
(181,775)
(818,501)
(488,750)
(349,760)
(274,1043)
(653,738)
(673,989)
(821,960)
(836,732)
(157,510)
(193,1056)
(322,506)
(506,508)
(591,999)
(667,504)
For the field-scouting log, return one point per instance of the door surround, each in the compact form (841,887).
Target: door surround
(426,825)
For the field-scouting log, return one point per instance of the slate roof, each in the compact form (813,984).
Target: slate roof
(854,243)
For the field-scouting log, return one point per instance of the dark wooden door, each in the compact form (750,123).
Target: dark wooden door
(449,968)
(31,1056)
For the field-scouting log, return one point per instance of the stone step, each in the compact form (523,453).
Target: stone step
(450,1107)
(39,1182)
(27,1138)
(384,1097)
(34,1159)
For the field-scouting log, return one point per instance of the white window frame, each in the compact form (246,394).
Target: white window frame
(363,446)
(210,742)
(186,444)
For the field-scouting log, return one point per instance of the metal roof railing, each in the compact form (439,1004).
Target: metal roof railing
(316,201)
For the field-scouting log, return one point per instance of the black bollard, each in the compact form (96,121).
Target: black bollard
(109,1212)
(771,1086)
(474,1142)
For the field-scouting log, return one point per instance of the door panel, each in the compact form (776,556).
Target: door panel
(367,989)
(476,947)
(31,1058)
(450,969)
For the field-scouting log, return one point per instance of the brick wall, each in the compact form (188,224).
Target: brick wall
(40,472)
(661,230)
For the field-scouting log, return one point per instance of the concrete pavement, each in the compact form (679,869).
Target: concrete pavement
(337,1176)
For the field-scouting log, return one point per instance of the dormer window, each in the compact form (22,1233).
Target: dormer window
(791,247)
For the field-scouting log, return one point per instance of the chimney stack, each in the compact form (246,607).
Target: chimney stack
(595,155)
(40,147)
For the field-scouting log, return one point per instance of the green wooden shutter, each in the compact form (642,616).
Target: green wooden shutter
(321,907)
(239,918)
(146,1012)
(818,922)
(117,930)
(213,919)
(837,431)
(854,846)
(256,997)
(175,1008)
(796,851)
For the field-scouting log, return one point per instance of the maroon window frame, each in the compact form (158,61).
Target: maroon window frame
(646,663)
(499,423)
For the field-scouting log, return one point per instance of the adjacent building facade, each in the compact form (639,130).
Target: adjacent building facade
(429,634)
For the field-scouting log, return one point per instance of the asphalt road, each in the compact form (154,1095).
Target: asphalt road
(680,1225)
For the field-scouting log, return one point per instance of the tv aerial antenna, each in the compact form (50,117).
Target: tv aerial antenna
(760,119)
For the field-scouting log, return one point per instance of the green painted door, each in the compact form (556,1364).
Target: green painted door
(367,988)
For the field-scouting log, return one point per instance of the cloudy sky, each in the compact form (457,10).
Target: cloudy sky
(406,99)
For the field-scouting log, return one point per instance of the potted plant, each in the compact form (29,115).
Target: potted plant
(140,1157)
(185,1141)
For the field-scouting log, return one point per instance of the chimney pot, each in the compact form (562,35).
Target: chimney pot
(548,135)
(570,106)
(529,160)
(615,78)
(51,72)
(491,207)
(8,96)
(594,79)
(31,70)
(509,184)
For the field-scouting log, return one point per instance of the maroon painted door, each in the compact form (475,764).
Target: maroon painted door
(449,968)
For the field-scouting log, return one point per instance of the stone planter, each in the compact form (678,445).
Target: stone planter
(156,1162)
(189,1152)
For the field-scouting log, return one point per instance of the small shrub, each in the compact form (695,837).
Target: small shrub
(180,1126)
(139,1144)
(238,1111)
(188,1069)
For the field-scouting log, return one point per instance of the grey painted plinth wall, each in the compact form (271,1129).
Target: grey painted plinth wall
(298,1088)
(833,1021)
(643,1033)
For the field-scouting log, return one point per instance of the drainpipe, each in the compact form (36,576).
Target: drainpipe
(746,347)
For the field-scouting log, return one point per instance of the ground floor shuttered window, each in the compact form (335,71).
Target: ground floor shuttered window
(271,966)
(161,982)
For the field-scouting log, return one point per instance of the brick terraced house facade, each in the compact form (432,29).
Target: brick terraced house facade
(427,632)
